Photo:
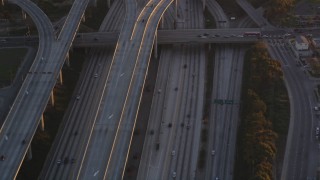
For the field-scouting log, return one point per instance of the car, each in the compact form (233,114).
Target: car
(205,34)
(95,75)
(174,174)
(2,157)
(213,152)
(317,130)
(151,132)
(173,152)
(316,108)
(217,178)
(59,161)
(78,97)
(27,92)
(66,160)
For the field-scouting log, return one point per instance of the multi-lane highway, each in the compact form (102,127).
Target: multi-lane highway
(193,36)
(234,35)
(172,139)
(65,157)
(302,153)
(96,157)
(17,130)
(21,122)
(254,14)
(98,128)
(223,118)
(124,93)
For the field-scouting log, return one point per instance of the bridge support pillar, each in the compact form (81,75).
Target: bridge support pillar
(155,45)
(203,4)
(108,4)
(162,22)
(42,123)
(83,18)
(68,60)
(24,15)
(51,99)
(176,11)
(60,77)
(29,153)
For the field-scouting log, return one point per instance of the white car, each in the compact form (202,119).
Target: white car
(173,153)
(174,174)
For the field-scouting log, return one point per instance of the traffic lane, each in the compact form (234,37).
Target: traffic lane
(117,82)
(296,154)
(132,101)
(306,87)
(151,155)
(112,82)
(89,105)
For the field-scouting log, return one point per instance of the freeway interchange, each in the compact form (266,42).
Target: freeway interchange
(102,118)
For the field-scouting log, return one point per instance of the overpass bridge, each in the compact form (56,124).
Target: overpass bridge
(95,39)
(22,120)
(173,36)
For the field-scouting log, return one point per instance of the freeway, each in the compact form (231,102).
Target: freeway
(254,14)
(23,118)
(18,130)
(95,160)
(301,156)
(222,21)
(123,94)
(101,39)
(223,118)
(174,36)
(172,139)
(65,157)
